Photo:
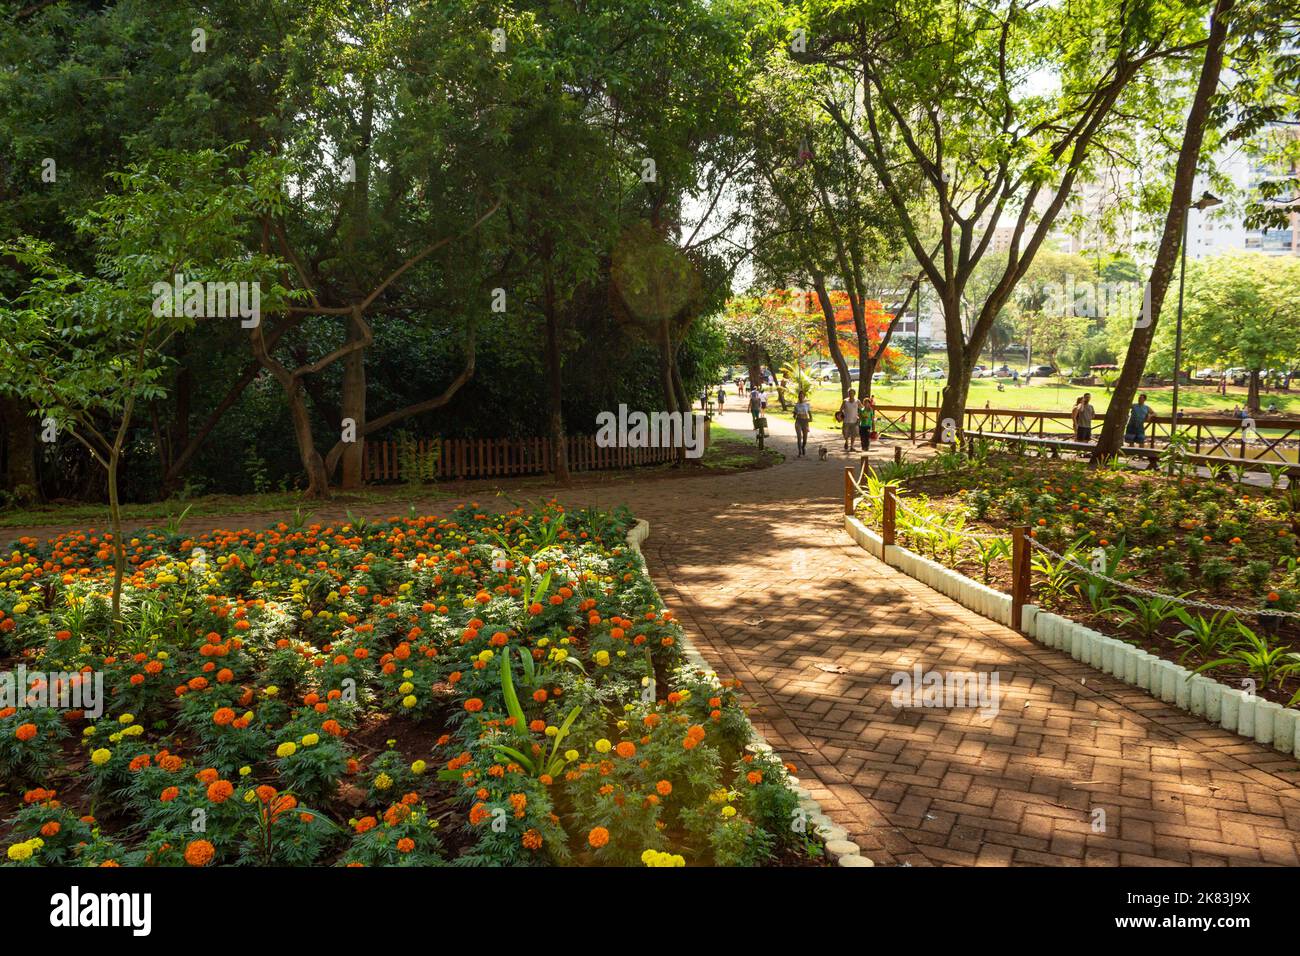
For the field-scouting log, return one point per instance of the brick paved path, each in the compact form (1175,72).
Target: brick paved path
(768,585)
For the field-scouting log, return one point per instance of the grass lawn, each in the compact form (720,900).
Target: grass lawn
(1050,396)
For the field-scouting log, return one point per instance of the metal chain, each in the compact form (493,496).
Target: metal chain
(1173,598)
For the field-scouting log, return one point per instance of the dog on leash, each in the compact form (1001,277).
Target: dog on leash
(821,453)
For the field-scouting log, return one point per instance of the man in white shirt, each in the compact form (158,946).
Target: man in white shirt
(1083,419)
(849,417)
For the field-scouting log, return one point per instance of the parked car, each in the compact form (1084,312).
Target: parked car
(1002,371)
(1238,376)
(979,371)
(1041,371)
(879,376)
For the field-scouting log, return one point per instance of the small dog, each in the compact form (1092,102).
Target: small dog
(821,453)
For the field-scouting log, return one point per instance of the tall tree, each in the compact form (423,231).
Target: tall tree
(1171,239)
(1000,108)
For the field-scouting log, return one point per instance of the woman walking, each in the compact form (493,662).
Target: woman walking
(802,418)
(866,422)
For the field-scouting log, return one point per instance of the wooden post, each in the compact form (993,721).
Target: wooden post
(1020,566)
(887,518)
(848,490)
(898,454)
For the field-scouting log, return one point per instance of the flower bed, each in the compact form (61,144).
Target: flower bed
(485,689)
(1228,545)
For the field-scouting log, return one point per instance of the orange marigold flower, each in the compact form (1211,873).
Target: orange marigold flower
(664,788)
(199,853)
(51,829)
(473,705)
(366,824)
(208,775)
(405,845)
(25,732)
(598,837)
(170,794)
(626,749)
(754,777)
(532,840)
(223,716)
(220,791)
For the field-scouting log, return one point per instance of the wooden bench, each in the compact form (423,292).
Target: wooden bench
(1150,455)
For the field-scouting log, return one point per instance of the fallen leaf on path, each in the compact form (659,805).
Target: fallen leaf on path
(754,621)
(831,668)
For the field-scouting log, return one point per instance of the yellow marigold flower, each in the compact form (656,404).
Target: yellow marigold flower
(19,852)
(603,746)
(406,687)
(286,749)
(409,701)
(728,812)
(245,771)
(419,767)
(383,782)
(126,719)
(602,658)
(311,740)
(571,755)
(101,756)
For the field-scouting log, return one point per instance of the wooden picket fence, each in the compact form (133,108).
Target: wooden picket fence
(454,459)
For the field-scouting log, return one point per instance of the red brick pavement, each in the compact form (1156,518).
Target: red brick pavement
(768,585)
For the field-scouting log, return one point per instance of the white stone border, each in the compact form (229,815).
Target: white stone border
(971,594)
(1233,709)
(838,845)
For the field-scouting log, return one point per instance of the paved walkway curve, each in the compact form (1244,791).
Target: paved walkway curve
(1075,768)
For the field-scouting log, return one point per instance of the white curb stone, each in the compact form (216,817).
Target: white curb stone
(1266,715)
(1284,724)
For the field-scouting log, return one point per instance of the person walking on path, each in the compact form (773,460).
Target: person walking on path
(1083,418)
(1136,432)
(866,423)
(756,405)
(802,419)
(722,398)
(848,416)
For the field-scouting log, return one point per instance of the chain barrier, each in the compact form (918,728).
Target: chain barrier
(1172,598)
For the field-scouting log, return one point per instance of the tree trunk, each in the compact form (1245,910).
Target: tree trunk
(754,363)
(953,406)
(832,334)
(1130,376)
(21,476)
(666,367)
(312,463)
(1252,395)
(352,405)
(554,380)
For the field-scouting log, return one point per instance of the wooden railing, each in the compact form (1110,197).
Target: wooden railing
(1209,435)
(447,459)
